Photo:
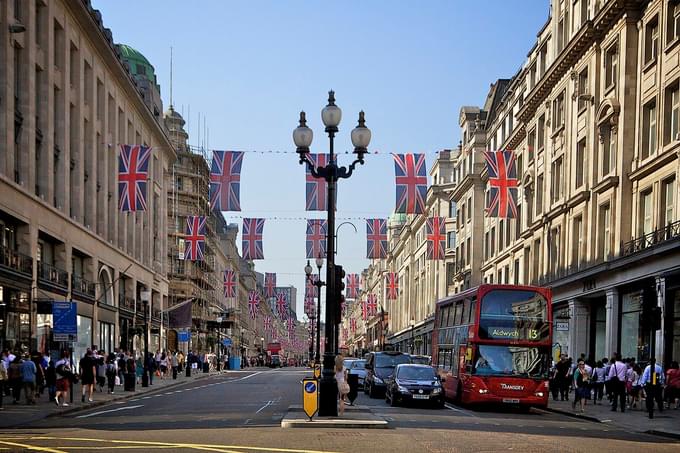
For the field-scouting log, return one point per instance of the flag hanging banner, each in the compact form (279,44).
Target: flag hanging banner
(225,181)
(353,325)
(352,286)
(267,323)
(372,304)
(282,305)
(317,230)
(252,239)
(364,310)
(269,285)
(502,198)
(411,179)
(392,285)
(436,238)
(194,241)
(316,188)
(376,239)
(179,317)
(311,289)
(230,284)
(253,303)
(133,173)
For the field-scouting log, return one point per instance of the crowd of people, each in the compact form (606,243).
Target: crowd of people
(96,370)
(622,382)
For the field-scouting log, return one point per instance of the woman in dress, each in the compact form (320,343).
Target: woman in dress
(341,378)
(582,385)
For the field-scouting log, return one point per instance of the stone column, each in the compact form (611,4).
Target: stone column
(579,326)
(612,306)
(661,303)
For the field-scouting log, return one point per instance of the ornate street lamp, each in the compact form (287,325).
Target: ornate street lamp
(331,173)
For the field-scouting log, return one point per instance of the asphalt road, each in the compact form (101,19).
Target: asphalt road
(241,412)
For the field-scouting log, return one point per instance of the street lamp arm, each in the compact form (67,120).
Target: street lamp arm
(344,173)
(305,159)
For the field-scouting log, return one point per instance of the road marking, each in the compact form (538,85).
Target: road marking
(110,410)
(146,397)
(31,447)
(269,403)
(247,421)
(247,377)
(461,411)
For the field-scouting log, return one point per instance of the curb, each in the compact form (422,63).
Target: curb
(355,424)
(663,434)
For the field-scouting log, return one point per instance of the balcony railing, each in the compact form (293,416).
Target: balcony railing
(52,274)
(126,303)
(671,231)
(82,286)
(16,261)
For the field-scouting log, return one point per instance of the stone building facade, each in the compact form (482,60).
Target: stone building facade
(66,102)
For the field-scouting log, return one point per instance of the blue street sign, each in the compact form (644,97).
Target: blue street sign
(184,335)
(64,321)
(226,342)
(310,387)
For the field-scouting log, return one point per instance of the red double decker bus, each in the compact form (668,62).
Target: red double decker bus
(492,344)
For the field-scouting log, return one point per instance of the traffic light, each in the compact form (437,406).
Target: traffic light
(339,288)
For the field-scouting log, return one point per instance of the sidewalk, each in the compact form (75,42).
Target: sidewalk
(14,415)
(666,423)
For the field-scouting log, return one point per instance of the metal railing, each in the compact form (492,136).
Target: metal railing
(52,274)
(656,237)
(82,286)
(126,303)
(16,261)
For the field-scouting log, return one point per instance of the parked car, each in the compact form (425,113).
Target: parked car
(358,367)
(421,359)
(380,365)
(414,383)
(347,363)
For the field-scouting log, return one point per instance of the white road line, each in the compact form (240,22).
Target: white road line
(269,403)
(146,397)
(247,377)
(110,410)
(450,407)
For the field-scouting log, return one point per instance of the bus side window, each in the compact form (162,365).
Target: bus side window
(473,310)
(466,311)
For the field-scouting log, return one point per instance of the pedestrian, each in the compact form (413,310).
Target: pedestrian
(652,381)
(672,391)
(175,364)
(607,389)
(3,379)
(597,382)
(581,385)
(139,369)
(64,375)
(617,382)
(88,371)
(51,380)
(100,364)
(562,377)
(111,373)
(343,386)
(37,359)
(635,390)
(15,380)
(164,365)
(28,378)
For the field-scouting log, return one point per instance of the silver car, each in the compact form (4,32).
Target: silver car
(358,367)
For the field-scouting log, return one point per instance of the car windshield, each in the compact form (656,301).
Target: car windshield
(390,361)
(514,315)
(416,373)
(420,360)
(358,364)
(512,361)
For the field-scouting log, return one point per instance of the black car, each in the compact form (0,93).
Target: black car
(379,366)
(414,383)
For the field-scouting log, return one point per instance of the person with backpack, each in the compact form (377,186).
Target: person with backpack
(597,382)
(617,382)
(64,377)
(14,378)
(111,373)
(652,381)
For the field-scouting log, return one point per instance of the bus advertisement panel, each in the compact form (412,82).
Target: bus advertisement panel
(492,344)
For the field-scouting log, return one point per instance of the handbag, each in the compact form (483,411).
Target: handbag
(344,388)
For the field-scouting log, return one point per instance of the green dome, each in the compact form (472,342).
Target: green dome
(139,65)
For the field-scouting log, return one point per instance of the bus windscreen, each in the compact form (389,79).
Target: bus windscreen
(514,315)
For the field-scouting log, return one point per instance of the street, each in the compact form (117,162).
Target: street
(241,411)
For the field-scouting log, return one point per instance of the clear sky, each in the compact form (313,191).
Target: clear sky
(249,67)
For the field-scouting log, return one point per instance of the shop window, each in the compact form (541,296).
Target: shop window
(634,339)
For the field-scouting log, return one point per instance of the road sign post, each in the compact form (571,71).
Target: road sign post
(310,396)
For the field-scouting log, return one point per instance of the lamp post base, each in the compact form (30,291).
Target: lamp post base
(145,379)
(328,388)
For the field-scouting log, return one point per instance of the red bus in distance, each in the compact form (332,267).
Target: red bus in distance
(492,344)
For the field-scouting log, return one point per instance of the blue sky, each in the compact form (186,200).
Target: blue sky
(250,67)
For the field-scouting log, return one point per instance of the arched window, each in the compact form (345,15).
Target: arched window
(105,287)
(607,129)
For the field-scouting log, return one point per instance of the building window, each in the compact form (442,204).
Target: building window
(604,231)
(501,234)
(543,53)
(652,40)
(577,241)
(537,259)
(579,168)
(558,112)
(634,335)
(672,114)
(486,245)
(611,62)
(649,129)
(585,6)
(556,188)
(516,272)
(560,35)
(608,147)
(673,28)
(583,90)
(518,221)
(452,209)
(646,224)
(555,249)
(532,76)
(540,131)
(668,198)
(539,194)
(531,144)
(469,209)
(467,250)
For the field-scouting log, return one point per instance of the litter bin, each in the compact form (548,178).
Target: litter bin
(129,380)
(353,381)
(234,363)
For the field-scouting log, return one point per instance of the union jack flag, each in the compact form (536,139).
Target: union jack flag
(194,246)
(269,285)
(133,172)
(502,199)
(317,188)
(225,181)
(291,324)
(309,306)
(411,179)
(364,310)
(310,289)
(392,285)
(267,323)
(353,325)
(282,305)
(352,286)
(229,284)
(436,238)
(252,239)
(376,239)
(316,238)
(372,304)
(253,303)
(345,335)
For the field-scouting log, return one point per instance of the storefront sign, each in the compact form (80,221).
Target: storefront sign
(501,332)
(64,315)
(562,326)
(184,336)
(226,342)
